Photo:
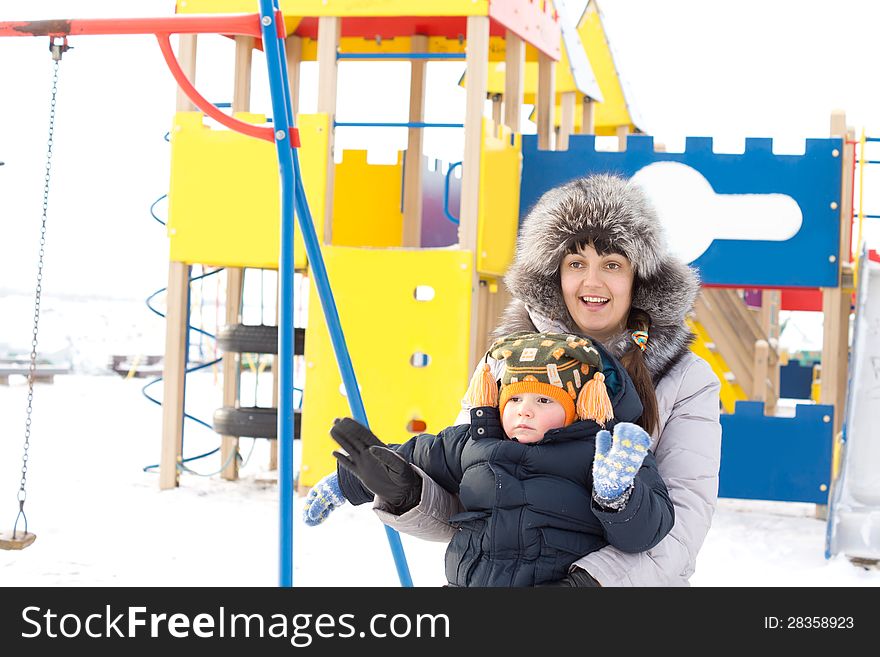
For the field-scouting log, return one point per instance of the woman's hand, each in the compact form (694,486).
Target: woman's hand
(380,469)
(577,578)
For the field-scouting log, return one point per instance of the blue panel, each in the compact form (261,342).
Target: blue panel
(776,458)
(813,180)
(796,380)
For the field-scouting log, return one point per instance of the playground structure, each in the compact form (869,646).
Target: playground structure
(425,291)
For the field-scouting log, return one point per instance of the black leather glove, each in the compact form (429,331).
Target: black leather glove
(380,469)
(578,578)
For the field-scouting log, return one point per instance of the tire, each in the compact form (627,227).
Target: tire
(258,339)
(251,422)
(243,338)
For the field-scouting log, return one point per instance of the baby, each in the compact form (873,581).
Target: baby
(541,482)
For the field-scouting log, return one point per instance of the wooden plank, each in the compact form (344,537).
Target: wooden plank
(231,371)
(546,101)
(477,81)
(186,56)
(412,172)
(496,114)
(241,91)
(759,372)
(622,132)
(241,102)
(588,117)
(276,366)
(293,52)
(771,302)
(727,343)
(566,120)
(836,300)
(514,79)
(176,304)
(329,30)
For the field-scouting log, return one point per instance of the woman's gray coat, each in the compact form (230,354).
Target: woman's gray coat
(610,211)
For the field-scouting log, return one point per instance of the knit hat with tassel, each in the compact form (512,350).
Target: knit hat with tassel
(566,368)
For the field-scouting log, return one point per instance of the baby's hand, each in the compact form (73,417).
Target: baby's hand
(618,459)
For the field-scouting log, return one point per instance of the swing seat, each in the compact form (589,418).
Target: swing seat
(20,542)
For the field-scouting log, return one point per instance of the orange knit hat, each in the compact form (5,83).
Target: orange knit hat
(564,367)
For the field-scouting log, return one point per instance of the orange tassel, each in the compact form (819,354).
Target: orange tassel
(483,390)
(593,402)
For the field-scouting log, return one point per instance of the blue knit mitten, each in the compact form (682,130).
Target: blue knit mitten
(324,497)
(618,459)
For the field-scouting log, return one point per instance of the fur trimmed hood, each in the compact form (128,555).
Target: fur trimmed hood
(618,210)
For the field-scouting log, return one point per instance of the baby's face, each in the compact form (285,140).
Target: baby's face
(528,416)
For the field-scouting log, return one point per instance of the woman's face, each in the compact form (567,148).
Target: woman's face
(598,291)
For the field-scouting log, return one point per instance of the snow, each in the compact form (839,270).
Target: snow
(100,520)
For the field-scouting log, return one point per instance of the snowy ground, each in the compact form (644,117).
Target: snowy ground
(101,520)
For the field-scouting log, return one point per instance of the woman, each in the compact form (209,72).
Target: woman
(591,259)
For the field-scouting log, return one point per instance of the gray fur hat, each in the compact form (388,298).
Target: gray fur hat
(616,214)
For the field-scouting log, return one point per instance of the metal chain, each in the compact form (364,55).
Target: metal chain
(22,492)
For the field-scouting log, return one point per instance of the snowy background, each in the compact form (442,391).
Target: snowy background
(101,520)
(99,517)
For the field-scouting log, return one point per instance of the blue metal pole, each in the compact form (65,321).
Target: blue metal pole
(293,195)
(285,278)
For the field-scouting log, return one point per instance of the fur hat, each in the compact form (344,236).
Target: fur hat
(566,368)
(615,214)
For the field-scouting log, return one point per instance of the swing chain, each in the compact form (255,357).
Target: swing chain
(22,492)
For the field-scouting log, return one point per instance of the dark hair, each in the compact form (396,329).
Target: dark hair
(633,360)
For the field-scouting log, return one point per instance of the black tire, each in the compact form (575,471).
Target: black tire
(243,338)
(257,339)
(251,422)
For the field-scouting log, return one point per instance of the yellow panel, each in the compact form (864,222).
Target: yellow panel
(500,167)
(223,200)
(314,136)
(366,202)
(730,392)
(384,326)
(342,7)
(223,205)
(612,112)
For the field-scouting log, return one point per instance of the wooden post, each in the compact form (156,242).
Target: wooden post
(496,114)
(293,51)
(329,30)
(231,371)
(174,370)
(475,95)
(276,364)
(771,302)
(174,373)
(412,172)
(836,300)
(588,121)
(186,55)
(546,100)
(514,65)
(241,102)
(566,119)
(622,131)
(759,372)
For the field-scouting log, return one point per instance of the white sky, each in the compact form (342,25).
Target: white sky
(722,69)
